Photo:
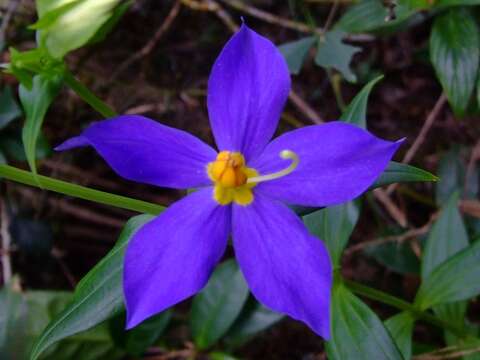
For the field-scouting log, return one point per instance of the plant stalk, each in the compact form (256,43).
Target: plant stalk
(81,192)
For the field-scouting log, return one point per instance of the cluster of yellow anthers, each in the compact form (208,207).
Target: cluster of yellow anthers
(234,181)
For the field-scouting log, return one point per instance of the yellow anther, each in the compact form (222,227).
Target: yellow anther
(228,170)
(229,174)
(234,181)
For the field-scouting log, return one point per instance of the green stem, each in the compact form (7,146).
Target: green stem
(391,300)
(89,97)
(81,192)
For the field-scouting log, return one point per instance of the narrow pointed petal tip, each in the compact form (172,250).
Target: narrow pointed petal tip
(74,142)
(287,269)
(143,150)
(247,90)
(338,162)
(171,258)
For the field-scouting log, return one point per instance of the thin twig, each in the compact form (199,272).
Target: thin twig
(421,135)
(437,355)
(270,18)
(331,15)
(75,210)
(58,255)
(6,240)
(394,211)
(410,234)
(151,44)
(12,6)
(305,108)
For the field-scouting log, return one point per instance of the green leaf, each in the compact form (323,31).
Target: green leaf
(356,112)
(24,65)
(253,319)
(332,52)
(400,328)
(334,225)
(455,53)
(451,172)
(396,256)
(217,306)
(357,333)
(295,53)
(23,316)
(398,172)
(36,102)
(453,280)
(97,297)
(11,144)
(9,109)
(447,237)
(140,338)
(370,15)
(66,27)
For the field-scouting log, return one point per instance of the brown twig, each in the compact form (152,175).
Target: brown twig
(447,353)
(151,44)
(58,255)
(305,108)
(394,211)
(331,15)
(270,18)
(410,234)
(69,208)
(12,6)
(421,135)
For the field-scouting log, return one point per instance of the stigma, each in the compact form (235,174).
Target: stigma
(233,180)
(230,177)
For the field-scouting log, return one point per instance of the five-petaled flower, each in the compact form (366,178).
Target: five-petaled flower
(242,190)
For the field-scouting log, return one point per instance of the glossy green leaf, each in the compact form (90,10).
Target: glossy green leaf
(453,280)
(356,112)
(357,332)
(334,225)
(35,103)
(66,25)
(217,306)
(455,53)
(370,15)
(295,53)
(333,53)
(447,237)
(9,109)
(398,172)
(400,328)
(253,319)
(97,297)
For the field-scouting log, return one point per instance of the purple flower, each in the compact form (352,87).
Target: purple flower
(242,190)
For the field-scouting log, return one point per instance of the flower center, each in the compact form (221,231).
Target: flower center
(230,175)
(234,180)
